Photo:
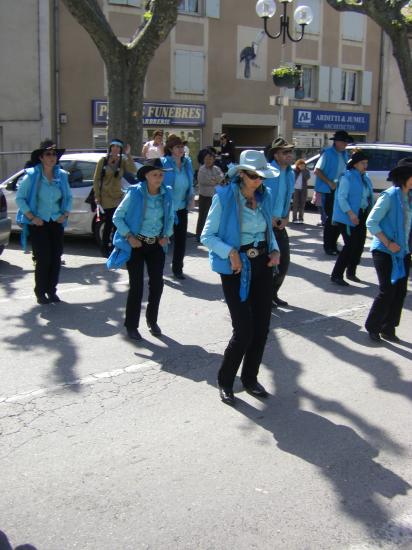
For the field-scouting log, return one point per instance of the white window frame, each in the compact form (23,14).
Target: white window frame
(347,95)
(187,7)
(313,78)
(132,3)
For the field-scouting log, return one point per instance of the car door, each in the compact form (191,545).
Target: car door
(81,174)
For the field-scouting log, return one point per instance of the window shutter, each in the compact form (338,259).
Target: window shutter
(196,72)
(212,8)
(182,70)
(324,82)
(367,88)
(335,85)
(352,26)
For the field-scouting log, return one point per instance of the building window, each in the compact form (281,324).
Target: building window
(349,86)
(304,90)
(189,6)
(189,72)
(353,26)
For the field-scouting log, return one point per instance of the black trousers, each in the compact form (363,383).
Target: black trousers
(204,205)
(108,228)
(330,232)
(350,255)
(179,241)
(250,322)
(47,245)
(282,239)
(154,257)
(385,313)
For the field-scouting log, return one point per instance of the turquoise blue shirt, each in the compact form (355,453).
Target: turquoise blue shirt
(343,194)
(340,167)
(253,227)
(279,204)
(180,188)
(49,198)
(381,209)
(153,216)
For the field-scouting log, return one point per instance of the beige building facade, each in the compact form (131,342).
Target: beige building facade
(211,75)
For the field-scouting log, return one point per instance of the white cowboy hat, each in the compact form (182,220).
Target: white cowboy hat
(253,161)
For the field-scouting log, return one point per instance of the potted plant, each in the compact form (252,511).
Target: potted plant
(287,76)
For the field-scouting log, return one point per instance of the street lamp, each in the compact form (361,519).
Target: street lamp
(267,8)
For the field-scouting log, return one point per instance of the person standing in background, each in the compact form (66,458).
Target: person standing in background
(209,175)
(330,166)
(227,151)
(107,186)
(154,148)
(300,194)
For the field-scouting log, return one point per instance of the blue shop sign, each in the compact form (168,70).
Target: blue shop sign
(157,114)
(311,119)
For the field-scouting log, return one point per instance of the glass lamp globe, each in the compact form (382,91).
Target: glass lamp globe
(265,8)
(303,15)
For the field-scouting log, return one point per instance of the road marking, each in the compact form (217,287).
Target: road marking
(87,380)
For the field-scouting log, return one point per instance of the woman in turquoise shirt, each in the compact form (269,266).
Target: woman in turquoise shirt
(243,250)
(390,224)
(144,222)
(44,200)
(180,179)
(353,202)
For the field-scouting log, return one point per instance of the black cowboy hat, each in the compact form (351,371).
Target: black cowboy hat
(280,143)
(356,157)
(342,135)
(149,166)
(46,145)
(403,168)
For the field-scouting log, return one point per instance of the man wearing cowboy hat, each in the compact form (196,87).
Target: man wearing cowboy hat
(330,166)
(280,156)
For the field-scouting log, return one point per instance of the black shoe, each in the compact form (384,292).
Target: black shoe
(54,298)
(134,334)
(391,337)
(374,336)
(257,390)
(226,395)
(154,328)
(179,276)
(339,281)
(331,252)
(353,277)
(278,302)
(42,299)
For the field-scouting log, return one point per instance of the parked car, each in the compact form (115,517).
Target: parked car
(81,168)
(382,158)
(5,223)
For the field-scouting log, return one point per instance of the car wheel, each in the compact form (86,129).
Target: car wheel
(1,249)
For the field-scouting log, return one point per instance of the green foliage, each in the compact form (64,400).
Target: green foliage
(147,15)
(285,70)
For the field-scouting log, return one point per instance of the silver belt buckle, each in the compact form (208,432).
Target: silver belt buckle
(252,253)
(150,240)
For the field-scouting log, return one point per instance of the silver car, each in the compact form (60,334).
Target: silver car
(81,168)
(382,158)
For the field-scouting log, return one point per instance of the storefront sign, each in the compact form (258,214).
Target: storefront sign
(157,114)
(310,119)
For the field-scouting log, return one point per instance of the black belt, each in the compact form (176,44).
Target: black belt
(254,251)
(147,240)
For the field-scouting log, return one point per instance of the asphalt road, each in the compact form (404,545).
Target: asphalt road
(108,444)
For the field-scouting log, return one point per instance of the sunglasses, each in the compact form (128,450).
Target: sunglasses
(253,176)
(50,154)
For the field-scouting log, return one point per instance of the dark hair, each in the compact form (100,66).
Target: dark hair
(171,142)
(400,180)
(206,151)
(157,132)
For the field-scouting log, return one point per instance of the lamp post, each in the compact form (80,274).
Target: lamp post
(267,8)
